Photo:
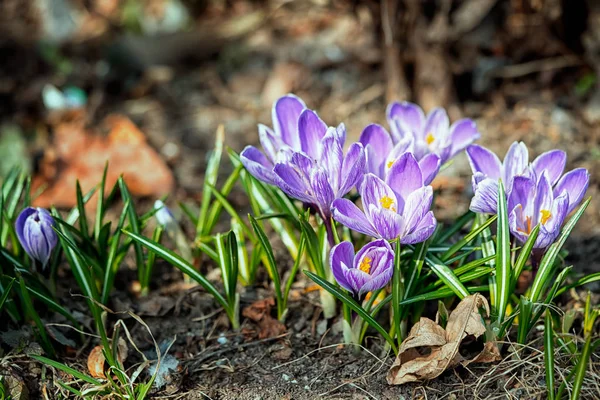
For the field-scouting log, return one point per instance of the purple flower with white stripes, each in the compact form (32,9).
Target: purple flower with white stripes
(369,270)
(431,134)
(34,228)
(487,169)
(304,157)
(398,207)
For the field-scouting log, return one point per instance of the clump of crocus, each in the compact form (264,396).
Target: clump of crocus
(487,169)
(431,134)
(34,228)
(369,270)
(398,207)
(304,157)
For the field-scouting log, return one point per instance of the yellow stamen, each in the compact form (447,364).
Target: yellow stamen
(365,265)
(389,164)
(387,202)
(546,215)
(429,138)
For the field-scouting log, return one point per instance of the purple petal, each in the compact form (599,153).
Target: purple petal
(356,279)
(485,199)
(388,224)
(322,191)
(515,162)
(517,224)
(378,145)
(311,130)
(353,169)
(345,212)
(430,166)
(437,124)
(484,161)
(332,157)
(38,245)
(47,223)
(462,133)
(377,282)
(20,227)
(286,112)
(558,214)
(553,162)
(291,182)
(422,231)
(407,115)
(405,176)
(523,192)
(575,182)
(417,205)
(269,142)
(258,165)
(341,255)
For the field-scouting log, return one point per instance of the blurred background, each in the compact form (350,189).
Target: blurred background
(145,83)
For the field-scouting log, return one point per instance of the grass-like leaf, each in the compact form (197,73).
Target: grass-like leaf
(6,293)
(134,223)
(503,262)
(397,292)
(181,264)
(270,264)
(447,276)
(312,245)
(67,369)
(350,302)
(468,238)
(549,355)
(210,178)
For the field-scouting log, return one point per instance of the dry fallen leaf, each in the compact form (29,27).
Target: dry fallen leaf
(77,153)
(429,350)
(95,363)
(96,360)
(260,312)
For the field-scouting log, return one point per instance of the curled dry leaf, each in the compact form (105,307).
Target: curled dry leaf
(429,350)
(96,359)
(95,363)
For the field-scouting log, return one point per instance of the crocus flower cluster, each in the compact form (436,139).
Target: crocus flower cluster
(537,192)
(34,228)
(304,157)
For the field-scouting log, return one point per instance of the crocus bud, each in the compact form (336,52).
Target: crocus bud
(164,216)
(35,233)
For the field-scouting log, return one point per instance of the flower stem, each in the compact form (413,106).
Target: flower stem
(329,229)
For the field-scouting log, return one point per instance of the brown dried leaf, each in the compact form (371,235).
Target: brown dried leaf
(77,153)
(95,363)
(429,349)
(260,312)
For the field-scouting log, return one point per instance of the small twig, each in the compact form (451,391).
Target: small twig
(547,64)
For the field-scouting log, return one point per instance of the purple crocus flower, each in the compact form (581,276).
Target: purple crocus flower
(398,207)
(35,233)
(531,203)
(370,269)
(431,134)
(164,216)
(304,157)
(487,169)
(381,153)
